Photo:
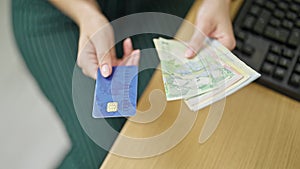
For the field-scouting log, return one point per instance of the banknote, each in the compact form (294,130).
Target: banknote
(248,75)
(211,75)
(184,78)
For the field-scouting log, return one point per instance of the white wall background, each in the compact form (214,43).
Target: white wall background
(31,134)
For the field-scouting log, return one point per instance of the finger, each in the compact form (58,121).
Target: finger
(127,47)
(87,60)
(91,70)
(228,41)
(103,42)
(136,57)
(227,37)
(114,59)
(132,59)
(106,56)
(197,39)
(89,66)
(105,63)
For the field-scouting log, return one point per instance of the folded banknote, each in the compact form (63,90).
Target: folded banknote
(211,75)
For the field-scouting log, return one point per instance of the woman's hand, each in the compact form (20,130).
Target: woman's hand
(96,48)
(213,20)
(96,41)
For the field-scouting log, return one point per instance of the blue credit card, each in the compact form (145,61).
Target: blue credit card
(116,96)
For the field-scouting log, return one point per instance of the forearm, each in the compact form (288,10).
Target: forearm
(78,10)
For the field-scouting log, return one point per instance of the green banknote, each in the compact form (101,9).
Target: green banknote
(185,78)
(248,75)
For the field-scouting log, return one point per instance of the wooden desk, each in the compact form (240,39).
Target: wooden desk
(259,129)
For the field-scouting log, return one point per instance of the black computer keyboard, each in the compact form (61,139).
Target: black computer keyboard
(268,39)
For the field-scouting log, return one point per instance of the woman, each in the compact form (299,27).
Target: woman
(50,34)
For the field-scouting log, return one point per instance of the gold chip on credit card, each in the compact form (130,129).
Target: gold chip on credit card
(112,107)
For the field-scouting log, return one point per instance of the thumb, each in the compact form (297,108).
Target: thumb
(105,62)
(225,35)
(197,40)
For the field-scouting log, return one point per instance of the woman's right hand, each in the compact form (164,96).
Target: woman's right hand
(96,49)
(96,41)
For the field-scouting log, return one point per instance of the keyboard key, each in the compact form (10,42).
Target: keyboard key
(276,49)
(272,58)
(284,62)
(262,21)
(280,35)
(295,80)
(255,10)
(289,53)
(297,68)
(259,26)
(279,14)
(265,15)
(249,22)
(282,5)
(279,73)
(295,8)
(298,23)
(267,68)
(260,2)
(294,39)
(270,5)
(239,45)
(291,16)
(275,22)
(248,50)
(241,35)
(287,24)
(297,1)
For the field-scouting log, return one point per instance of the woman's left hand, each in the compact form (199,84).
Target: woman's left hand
(213,20)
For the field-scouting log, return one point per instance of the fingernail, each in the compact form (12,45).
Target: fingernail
(189,53)
(105,70)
